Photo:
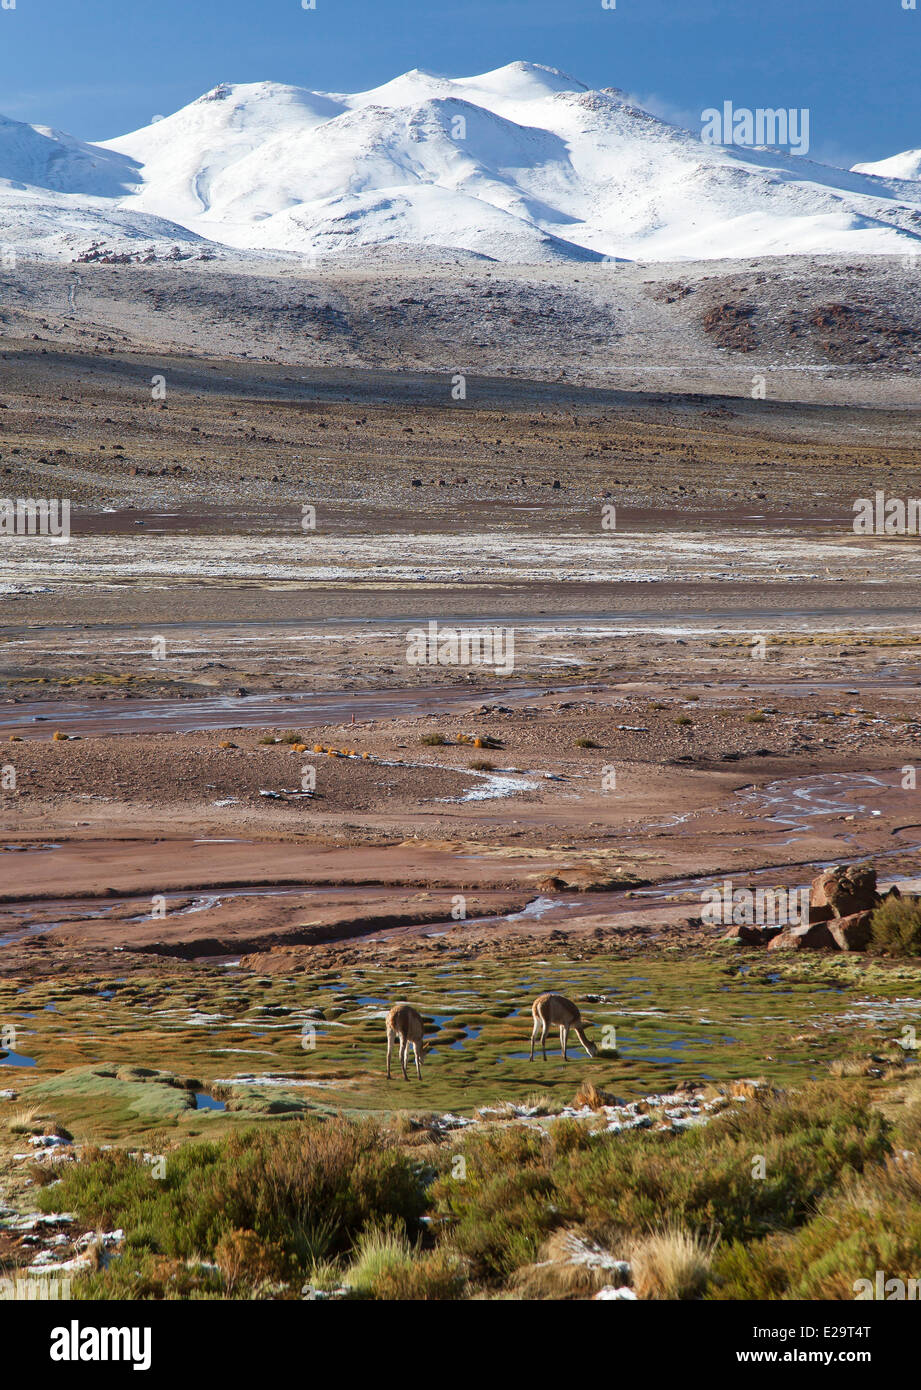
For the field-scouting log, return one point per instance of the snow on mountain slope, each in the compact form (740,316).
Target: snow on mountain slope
(183,155)
(60,195)
(377,174)
(656,192)
(37,222)
(522,164)
(45,158)
(506,91)
(906,165)
(417,218)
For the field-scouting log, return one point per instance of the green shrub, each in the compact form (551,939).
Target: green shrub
(149,1276)
(871,1222)
(502,1211)
(519,1187)
(896,927)
(760,1270)
(305,1191)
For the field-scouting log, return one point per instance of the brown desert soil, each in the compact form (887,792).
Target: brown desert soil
(633,649)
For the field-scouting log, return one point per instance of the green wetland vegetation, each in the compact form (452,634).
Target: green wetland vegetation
(309,1171)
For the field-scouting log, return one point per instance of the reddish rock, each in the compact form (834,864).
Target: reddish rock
(815,936)
(841,892)
(852,933)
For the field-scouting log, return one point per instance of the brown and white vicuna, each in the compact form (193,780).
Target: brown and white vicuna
(556,1009)
(404,1023)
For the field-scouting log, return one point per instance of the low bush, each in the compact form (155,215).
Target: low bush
(873,1222)
(519,1186)
(435,1276)
(896,927)
(261,1201)
(542,1212)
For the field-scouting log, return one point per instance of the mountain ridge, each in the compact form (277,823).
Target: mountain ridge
(522,164)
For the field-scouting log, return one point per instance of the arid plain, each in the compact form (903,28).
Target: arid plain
(237,823)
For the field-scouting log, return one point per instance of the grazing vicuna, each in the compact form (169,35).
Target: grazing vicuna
(562,1012)
(404,1023)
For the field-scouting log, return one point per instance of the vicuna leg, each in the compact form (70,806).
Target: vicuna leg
(389,1050)
(404,1048)
(534,1031)
(564,1034)
(418,1063)
(543,1038)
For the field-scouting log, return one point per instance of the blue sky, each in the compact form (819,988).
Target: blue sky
(99,68)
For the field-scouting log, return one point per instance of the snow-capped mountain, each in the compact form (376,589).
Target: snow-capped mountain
(46,158)
(906,165)
(520,164)
(59,195)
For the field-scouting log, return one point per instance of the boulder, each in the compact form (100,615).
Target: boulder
(815,936)
(852,933)
(841,892)
(758,936)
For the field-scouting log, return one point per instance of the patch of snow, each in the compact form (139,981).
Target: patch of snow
(270,1079)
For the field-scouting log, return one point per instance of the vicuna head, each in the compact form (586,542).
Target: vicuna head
(579,1030)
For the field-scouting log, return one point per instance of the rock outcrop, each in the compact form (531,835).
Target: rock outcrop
(814,936)
(842,901)
(841,892)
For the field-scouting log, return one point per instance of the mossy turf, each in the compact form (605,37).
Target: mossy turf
(275,1047)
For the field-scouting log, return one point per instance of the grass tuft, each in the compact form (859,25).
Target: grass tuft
(382,1250)
(671,1263)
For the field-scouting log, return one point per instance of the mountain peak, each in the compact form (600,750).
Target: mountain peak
(546,71)
(906,165)
(219,93)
